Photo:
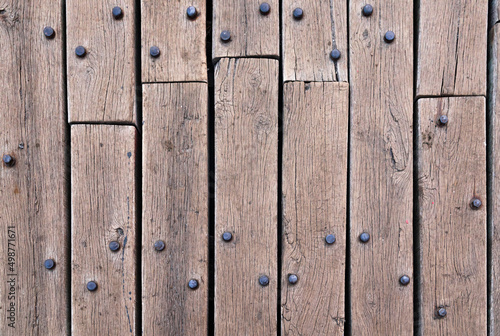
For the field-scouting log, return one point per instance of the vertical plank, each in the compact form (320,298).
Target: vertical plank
(307,43)
(452,36)
(451,172)
(101,85)
(252,33)
(175,209)
(494,14)
(33,192)
(103,210)
(181,41)
(315,131)
(246,157)
(381,168)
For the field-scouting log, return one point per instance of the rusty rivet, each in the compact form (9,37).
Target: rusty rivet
(91,286)
(193,284)
(330,239)
(154,51)
(225,36)
(335,54)
(114,246)
(367,10)
(389,36)
(49,32)
(475,203)
(159,245)
(364,237)
(227,236)
(264,8)
(404,280)
(298,13)
(117,13)
(80,51)
(8,160)
(442,312)
(264,280)
(292,279)
(192,12)
(443,120)
(49,264)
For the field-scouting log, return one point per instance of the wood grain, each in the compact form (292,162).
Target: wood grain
(381,168)
(181,40)
(315,131)
(307,43)
(175,209)
(33,193)
(101,85)
(246,158)
(451,47)
(451,172)
(103,209)
(252,34)
(494,13)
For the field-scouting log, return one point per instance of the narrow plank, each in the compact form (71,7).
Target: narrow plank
(307,43)
(181,41)
(451,47)
(381,168)
(33,192)
(494,14)
(252,33)
(175,209)
(103,210)
(315,131)
(246,157)
(101,85)
(451,172)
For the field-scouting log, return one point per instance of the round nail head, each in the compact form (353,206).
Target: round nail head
(91,286)
(192,12)
(225,36)
(49,264)
(264,8)
(8,160)
(476,203)
(80,51)
(442,312)
(227,236)
(298,13)
(159,245)
(367,10)
(292,279)
(154,51)
(114,246)
(335,54)
(443,120)
(330,239)
(49,32)
(264,280)
(404,280)
(364,237)
(389,36)
(117,13)
(193,284)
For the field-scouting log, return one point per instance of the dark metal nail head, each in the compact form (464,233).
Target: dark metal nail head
(154,51)
(264,280)
(367,10)
(192,12)
(159,245)
(298,13)
(389,36)
(330,239)
(114,246)
(442,312)
(225,36)
(117,13)
(227,236)
(49,32)
(265,8)
(49,264)
(335,54)
(8,160)
(80,51)
(193,284)
(292,279)
(476,203)
(443,120)
(364,237)
(404,280)
(91,286)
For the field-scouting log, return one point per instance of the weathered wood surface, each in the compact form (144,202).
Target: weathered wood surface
(246,177)
(175,209)
(381,168)
(33,193)
(452,47)
(101,85)
(315,131)
(103,209)
(494,12)
(252,33)
(451,172)
(307,43)
(181,41)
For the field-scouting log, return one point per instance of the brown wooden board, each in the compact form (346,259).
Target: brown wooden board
(451,172)
(175,209)
(252,33)
(451,47)
(381,168)
(103,209)
(181,41)
(307,43)
(246,181)
(33,192)
(315,131)
(101,85)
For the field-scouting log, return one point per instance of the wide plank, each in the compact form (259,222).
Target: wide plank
(308,42)
(175,209)
(103,212)
(246,199)
(33,190)
(315,132)
(180,41)
(452,237)
(381,168)
(452,38)
(101,84)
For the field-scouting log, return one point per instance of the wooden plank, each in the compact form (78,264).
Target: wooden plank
(33,192)
(451,47)
(103,210)
(181,41)
(101,85)
(494,13)
(307,43)
(252,33)
(381,168)
(452,172)
(315,131)
(175,209)
(246,181)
